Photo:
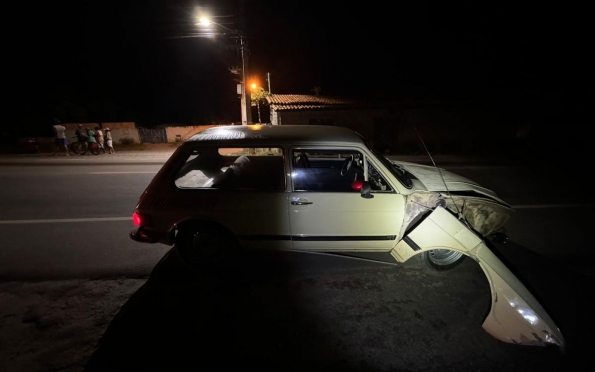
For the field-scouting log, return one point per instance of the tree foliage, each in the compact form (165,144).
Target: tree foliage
(257,95)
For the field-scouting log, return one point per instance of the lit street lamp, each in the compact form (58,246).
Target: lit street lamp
(246,115)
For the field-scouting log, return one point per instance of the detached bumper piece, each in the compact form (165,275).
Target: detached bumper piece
(515,315)
(143,236)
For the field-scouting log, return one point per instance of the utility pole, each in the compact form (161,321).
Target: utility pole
(246,111)
(269,81)
(244,98)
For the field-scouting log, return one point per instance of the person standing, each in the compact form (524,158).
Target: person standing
(91,139)
(81,133)
(109,141)
(99,138)
(60,138)
(81,136)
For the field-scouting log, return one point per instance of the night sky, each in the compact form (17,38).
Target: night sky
(100,61)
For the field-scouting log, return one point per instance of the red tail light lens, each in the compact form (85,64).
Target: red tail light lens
(136,219)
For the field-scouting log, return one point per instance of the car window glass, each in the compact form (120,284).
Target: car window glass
(377,182)
(327,170)
(233,168)
(401,174)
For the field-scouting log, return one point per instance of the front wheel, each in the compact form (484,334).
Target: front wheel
(77,148)
(441,259)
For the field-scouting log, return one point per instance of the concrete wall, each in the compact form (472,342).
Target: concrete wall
(184,132)
(118,134)
(128,130)
(359,120)
(444,129)
(119,130)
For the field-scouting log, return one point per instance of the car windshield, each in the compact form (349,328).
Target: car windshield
(402,175)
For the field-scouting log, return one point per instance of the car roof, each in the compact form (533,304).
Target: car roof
(292,134)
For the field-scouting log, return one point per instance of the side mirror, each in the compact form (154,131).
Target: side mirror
(366,191)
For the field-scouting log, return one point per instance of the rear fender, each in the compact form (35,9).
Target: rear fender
(515,315)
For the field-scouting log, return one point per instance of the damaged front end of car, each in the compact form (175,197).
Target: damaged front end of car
(460,223)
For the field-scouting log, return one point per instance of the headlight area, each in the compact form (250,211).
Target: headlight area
(484,216)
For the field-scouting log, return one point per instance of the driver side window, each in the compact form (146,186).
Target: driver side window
(377,182)
(326,170)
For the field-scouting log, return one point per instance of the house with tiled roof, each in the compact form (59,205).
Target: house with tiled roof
(446,126)
(369,119)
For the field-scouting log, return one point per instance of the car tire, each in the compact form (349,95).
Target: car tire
(206,245)
(441,259)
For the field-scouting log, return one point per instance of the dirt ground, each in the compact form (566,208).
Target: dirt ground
(277,312)
(55,325)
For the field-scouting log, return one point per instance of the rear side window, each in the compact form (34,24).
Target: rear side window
(247,168)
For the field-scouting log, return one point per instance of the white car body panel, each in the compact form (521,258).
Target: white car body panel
(515,315)
(434,180)
(438,209)
(255,219)
(345,221)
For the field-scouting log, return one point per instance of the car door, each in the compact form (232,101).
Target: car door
(326,209)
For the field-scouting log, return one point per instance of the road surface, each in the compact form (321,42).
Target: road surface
(72,221)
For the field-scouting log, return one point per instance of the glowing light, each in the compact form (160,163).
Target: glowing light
(136,219)
(204,21)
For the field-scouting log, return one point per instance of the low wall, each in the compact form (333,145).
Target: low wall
(118,134)
(183,133)
(119,130)
(114,125)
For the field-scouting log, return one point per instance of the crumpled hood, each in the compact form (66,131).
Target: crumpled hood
(433,181)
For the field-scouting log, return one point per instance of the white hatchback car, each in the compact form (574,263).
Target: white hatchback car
(321,188)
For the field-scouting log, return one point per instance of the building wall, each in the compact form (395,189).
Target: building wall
(119,130)
(359,120)
(185,132)
(118,134)
(443,129)
(362,121)
(128,130)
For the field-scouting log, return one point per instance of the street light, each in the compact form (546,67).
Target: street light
(246,114)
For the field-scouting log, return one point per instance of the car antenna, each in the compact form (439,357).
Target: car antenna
(439,172)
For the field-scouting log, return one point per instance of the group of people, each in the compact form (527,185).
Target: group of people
(83,135)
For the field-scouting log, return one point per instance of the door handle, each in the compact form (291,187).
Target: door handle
(300,202)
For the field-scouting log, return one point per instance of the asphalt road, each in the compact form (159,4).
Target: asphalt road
(73,221)
(315,310)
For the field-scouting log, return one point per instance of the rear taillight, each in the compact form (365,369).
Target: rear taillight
(136,219)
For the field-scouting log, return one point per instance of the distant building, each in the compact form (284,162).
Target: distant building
(370,120)
(445,126)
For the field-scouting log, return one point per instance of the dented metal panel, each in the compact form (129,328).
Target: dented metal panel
(515,315)
(485,216)
(416,205)
(482,215)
